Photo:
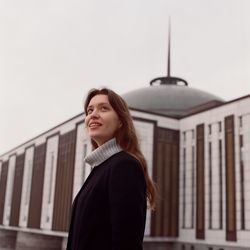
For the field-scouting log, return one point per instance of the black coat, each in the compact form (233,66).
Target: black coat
(109,212)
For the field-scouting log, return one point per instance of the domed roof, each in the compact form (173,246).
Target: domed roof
(170,98)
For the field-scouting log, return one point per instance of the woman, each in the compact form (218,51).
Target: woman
(109,212)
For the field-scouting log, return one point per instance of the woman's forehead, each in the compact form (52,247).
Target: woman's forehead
(99,99)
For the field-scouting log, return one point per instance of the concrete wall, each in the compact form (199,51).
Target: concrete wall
(7,239)
(31,241)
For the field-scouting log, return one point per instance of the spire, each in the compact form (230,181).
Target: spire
(169,79)
(169,40)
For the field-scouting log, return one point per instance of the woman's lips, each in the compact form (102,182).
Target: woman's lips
(94,124)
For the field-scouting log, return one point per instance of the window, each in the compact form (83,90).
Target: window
(209,129)
(220,185)
(11,181)
(240,122)
(184,189)
(83,172)
(220,127)
(52,160)
(193,186)
(184,136)
(242,190)
(192,133)
(27,195)
(210,185)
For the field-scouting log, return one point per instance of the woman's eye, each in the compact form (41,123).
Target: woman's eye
(89,111)
(104,108)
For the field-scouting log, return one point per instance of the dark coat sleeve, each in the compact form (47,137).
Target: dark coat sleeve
(127,200)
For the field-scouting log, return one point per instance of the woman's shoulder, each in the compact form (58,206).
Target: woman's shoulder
(125,166)
(124,161)
(124,156)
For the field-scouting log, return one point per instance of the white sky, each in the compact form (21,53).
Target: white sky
(53,51)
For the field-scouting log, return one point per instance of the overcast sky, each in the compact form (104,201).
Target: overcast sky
(53,51)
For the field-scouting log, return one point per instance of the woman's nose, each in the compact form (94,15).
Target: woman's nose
(94,113)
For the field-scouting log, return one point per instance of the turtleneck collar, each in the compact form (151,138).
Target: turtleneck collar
(102,153)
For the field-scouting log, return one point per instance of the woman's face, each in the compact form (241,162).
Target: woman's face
(101,120)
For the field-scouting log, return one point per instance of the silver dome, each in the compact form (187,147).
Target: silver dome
(169,99)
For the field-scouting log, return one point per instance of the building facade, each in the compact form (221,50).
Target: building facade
(200,161)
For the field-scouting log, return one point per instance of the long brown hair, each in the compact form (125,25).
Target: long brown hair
(126,136)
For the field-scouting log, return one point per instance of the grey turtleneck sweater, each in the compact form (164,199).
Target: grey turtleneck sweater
(102,153)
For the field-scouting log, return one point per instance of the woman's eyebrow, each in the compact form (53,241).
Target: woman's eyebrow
(101,103)
(98,104)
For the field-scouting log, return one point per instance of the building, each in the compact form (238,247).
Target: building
(198,151)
